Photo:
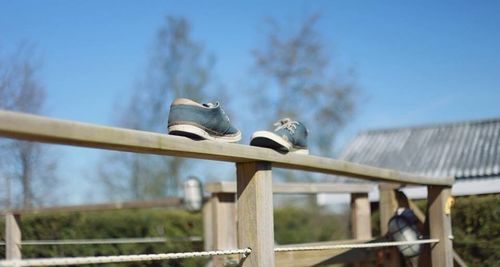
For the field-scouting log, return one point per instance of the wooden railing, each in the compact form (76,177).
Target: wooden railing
(13,234)
(220,221)
(253,174)
(138,204)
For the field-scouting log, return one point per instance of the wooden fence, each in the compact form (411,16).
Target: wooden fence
(13,234)
(254,188)
(220,220)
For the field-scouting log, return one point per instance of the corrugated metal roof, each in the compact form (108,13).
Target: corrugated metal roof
(466,150)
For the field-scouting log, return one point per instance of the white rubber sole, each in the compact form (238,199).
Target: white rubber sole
(274,141)
(189,130)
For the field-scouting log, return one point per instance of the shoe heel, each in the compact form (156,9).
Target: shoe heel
(190,131)
(300,151)
(197,133)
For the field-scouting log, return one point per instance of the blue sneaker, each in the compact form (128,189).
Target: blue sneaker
(289,136)
(201,121)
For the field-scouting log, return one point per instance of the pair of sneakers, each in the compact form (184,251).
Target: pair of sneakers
(209,122)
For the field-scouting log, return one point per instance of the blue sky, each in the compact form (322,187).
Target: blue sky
(416,62)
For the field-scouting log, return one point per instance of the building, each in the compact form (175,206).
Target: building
(469,151)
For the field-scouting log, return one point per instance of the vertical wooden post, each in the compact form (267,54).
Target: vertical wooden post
(361,216)
(440,225)
(255,213)
(208,242)
(224,226)
(360,219)
(387,207)
(12,238)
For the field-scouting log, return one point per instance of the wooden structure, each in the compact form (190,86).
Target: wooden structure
(141,204)
(12,238)
(13,235)
(220,216)
(253,176)
(466,150)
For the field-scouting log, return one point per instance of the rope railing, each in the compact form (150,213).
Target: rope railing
(169,256)
(121,258)
(353,246)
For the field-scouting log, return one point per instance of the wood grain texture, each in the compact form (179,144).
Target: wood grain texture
(387,207)
(361,216)
(440,226)
(325,257)
(306,258)
(224,226)
(12,238)
(208,240)
(457,260)
(43,129)
(255,213)
(161,202)
(296,188)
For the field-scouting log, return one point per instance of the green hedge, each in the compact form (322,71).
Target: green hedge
(292,225)
(476,227)
(299,225)
(113,224)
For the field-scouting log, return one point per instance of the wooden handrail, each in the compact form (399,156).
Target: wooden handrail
(296,188)
(324,257)
(48,130)
(140,204)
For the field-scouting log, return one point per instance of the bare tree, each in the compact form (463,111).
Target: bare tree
(22,162)
(301,84)
(178,67)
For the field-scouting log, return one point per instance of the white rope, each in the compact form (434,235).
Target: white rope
(122,258)
(167,256)
(107,241)
(350,246)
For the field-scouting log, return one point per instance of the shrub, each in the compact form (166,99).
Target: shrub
(476,227)
(113,224)
(299,225)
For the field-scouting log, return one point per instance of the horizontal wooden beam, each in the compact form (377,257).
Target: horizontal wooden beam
(162,202)
(296,188)
(48,130)
(323,257)
(328,243)
(306,258)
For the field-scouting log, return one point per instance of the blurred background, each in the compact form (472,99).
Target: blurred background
(340,67)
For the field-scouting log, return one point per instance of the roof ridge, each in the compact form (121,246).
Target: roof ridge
(431,126)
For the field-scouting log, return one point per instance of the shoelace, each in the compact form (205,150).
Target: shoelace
(225,115)
(286,123)
(212,105)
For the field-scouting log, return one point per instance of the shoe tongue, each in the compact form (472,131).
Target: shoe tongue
(282,122)
(285,120)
